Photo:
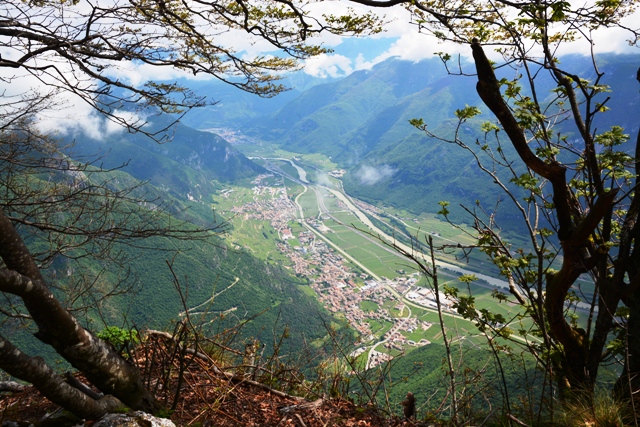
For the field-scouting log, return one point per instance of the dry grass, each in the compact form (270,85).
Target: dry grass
(209,397)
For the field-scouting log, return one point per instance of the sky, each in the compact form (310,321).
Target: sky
(400,39)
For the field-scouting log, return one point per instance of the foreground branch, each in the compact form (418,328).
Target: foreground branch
(101,364)
(35,371)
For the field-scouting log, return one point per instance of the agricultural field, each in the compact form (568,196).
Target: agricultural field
(376,257)
(328,220)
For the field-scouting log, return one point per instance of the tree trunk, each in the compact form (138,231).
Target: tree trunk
(628,383)
(574,233)
(101,364)
(51,385)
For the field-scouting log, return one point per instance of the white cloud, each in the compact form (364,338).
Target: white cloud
(85,120)
(362,64)
(369,175)
(415,47)
(410,45)
(606,40)
(68,114)
(323,179)
(328,65)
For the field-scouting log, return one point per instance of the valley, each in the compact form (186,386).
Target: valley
(297,215)
(441,228)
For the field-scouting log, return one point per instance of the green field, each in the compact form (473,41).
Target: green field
(379,327)
(347,233)
(366,250)
(395,312)
(368,306)
(317,160)
(287,168)
(293,188)
(309,204)
(265,149)
(235,196)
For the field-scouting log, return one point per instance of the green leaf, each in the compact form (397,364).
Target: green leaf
(444,211)
(528,182)
(467,112)
(558,9)
(613,137)
(418,123)
(119,337)
(467,278)
(487,127)
(500,296)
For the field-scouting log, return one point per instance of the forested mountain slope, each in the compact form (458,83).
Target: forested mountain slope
(362,122)
(188,162)
(181,176)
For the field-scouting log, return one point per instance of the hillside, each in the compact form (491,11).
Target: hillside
(362,123)
(181,175)
(213,399)
(230,106)
(186,165)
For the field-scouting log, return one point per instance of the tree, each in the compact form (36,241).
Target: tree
(59,206)
(572,182)
(67,211)
(79,47)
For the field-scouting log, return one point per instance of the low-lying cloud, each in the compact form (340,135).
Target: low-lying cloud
(370,175)
(86,121)
(327,65)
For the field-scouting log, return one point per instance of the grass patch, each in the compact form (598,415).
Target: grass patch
(368,306)
(307,290)
(309,204)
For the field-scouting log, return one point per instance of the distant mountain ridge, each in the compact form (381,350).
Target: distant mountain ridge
(193,163)
(231,107)
(362,122)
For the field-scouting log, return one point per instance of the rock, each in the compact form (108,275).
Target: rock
(133,419)
(12,386)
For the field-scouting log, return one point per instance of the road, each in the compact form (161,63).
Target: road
(209,301)
(317,189)
(373,347)
(362,217)
(442,264)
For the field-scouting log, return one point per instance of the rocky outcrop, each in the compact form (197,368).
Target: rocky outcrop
(133,419)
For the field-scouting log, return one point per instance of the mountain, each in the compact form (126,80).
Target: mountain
(345,119)
(362,123)
(231,107)
(424,373)
(190,166)
(183,173)
(263,299)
